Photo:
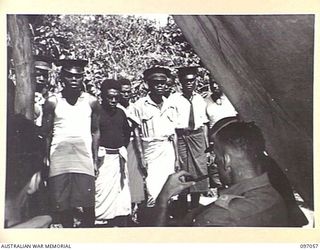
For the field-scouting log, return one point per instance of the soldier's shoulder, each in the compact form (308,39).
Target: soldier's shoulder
(225,200)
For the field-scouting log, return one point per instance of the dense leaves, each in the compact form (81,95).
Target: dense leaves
(116,46)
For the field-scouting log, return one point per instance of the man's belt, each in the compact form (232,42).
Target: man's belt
(185,131)
(112,151)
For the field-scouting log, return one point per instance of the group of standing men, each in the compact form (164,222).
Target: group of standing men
(100,154)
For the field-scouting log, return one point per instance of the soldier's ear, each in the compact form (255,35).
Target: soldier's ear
(227,158)
(227,162)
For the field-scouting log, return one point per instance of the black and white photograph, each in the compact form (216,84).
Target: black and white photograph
(159,120)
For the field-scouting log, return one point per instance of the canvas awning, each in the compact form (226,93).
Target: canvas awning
(264,64)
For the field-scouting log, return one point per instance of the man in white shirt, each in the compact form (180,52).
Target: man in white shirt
(218,105)
(191,130)
(157,122)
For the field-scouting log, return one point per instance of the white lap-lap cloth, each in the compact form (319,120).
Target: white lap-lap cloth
(160,157)
(157,126)
(112,187)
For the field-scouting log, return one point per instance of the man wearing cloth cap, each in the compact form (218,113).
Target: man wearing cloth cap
(191,130)
(156,119)
(249,199)
(71,124)
(42,67)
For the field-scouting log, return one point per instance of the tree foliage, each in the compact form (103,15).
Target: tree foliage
(116,46)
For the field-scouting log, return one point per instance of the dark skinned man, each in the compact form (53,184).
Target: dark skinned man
(71,126)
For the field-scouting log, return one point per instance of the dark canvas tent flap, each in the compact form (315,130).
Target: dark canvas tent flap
(264,64)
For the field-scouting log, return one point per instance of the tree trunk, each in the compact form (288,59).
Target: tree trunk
(22,57)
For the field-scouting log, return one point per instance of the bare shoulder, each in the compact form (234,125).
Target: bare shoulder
(50,102)
(94,102)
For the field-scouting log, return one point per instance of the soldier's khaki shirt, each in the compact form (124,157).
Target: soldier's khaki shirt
(251,203)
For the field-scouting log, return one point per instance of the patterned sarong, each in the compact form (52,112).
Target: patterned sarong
(193,159)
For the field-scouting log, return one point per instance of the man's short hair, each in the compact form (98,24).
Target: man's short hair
(109,84)
(244,136)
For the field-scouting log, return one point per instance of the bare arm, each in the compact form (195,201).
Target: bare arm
(127,130)
(139,146)
(47,126)
(95,131)
(138,141)
(174,139)
(205,133)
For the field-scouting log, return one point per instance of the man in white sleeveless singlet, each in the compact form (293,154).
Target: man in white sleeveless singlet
(71,123)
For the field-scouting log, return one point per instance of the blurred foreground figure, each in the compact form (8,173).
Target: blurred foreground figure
(25,200)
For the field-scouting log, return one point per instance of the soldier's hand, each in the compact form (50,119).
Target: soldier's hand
(174,185)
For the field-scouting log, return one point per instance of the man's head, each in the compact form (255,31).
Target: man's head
(72,73)
(110,93)
(216,92)
(169,87)
(237,146)
(42,66)
(187,77)
(125,90)
(156,78)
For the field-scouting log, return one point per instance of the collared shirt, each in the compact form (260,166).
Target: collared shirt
(250,203)
(218,110)
(182,106)
(130,112)
(131,117)
(156,122)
